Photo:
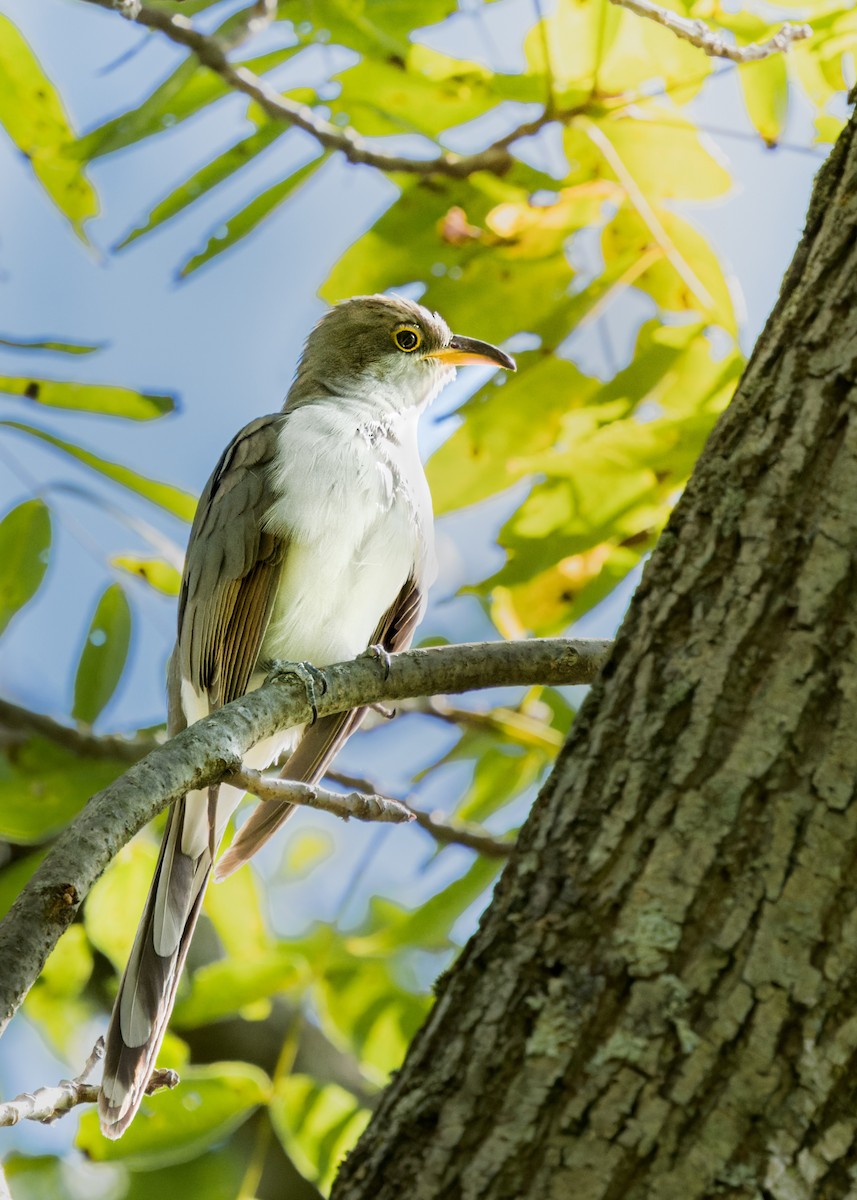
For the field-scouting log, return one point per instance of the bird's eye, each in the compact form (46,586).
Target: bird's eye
(407,338)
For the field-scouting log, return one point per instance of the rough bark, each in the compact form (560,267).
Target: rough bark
(661,1001)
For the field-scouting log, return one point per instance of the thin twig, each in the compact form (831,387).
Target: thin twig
(714,44)
(448,833)
(362,805)
(510,723)
(47,1104)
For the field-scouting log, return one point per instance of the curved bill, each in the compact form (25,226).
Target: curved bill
(462,351)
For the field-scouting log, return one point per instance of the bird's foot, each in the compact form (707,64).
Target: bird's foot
(382,655)
(314,680)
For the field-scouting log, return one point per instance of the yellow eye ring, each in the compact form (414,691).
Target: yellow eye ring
(407,338)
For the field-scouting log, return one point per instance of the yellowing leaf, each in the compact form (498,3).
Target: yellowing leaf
(765,88)
(88,397)
(648,148)
(114,904)
(158,573)
(306,849)
(685,276)
(35,119)
(568,47)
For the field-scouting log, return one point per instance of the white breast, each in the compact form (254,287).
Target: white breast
(355,508)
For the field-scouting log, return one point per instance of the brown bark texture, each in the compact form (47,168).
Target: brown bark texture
(661,1001)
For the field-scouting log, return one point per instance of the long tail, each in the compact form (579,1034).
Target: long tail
(148,988)
(306,764)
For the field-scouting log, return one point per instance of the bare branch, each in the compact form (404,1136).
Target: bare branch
(365,806)
(446,832)
(213,748)
(47,1104)
(714,44)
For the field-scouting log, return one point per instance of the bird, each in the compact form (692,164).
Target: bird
(312,542)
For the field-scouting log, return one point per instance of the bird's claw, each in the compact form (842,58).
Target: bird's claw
(380,653)
(314,680)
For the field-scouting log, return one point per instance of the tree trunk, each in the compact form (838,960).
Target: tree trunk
(661,1001)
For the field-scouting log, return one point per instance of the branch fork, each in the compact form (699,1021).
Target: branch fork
(48,1104)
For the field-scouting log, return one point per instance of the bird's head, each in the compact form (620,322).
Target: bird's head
(388,350)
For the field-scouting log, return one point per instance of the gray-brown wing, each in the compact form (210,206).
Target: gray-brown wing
(229,585)
(321,741)
(232,568)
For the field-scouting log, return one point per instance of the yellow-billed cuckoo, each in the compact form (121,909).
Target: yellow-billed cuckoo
(312,541)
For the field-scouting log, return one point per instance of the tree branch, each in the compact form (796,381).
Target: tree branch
(448,833)
(364,806)
(495,158)
(512,724)
(213,748)
(713,44)
(47,1104)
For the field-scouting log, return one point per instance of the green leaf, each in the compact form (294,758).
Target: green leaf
(176,1126)
(217,1175)
(42,786)
(114,902)
(46,1177)
(249,218)
(54,1002)
(684,274)
(316,1124)
(305,850)
(359,997)
(105,652)
(428,927)
(225,987)
(484,456)
(426,92)
(765,87)
(207,177)
(468,272)
(89,397)
(15,875)
(180,504)
(158,573)
(235,908)
(35,119)
(568,48)
(189,89)
(649,147)
(53,346)
(25,540)
(501,773)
